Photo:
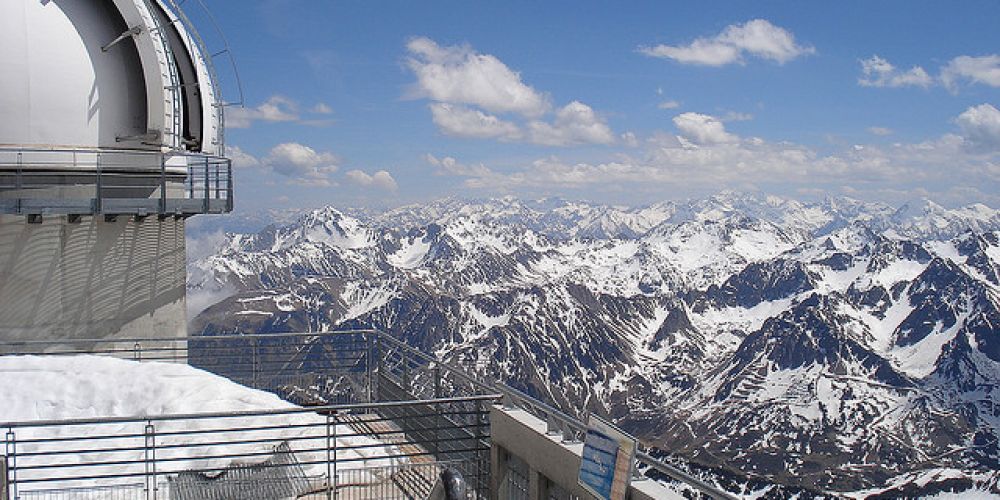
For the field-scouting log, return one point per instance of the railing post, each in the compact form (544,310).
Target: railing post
(10,466)
(18,182)
(137,352)
(254,362)
(329,460)
(369,346)
(229,185)
(483,459)
(150,452)
(97,187)
(217,181)
(440,420)
(163,184)
(207,192)
(333,440)
(379,366)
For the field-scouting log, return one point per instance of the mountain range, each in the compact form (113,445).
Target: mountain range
(837,346)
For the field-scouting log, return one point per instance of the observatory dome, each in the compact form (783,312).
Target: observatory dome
(104,74)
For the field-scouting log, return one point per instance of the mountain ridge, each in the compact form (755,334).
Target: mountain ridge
(735,329)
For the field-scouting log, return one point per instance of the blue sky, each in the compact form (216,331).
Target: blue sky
(378,104)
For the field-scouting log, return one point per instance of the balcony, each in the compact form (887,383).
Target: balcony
(113,182)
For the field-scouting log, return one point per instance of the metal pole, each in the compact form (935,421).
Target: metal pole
(207,192)
(229,185)
(369,345)
(482,454)
(440,420)
(254,361)
(151,459)
(329,460)
(11,463)
(137,352)
(333,429)
(97,184)
(217,182)
(163,184)
(18,181)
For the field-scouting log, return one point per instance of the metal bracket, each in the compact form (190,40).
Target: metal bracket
(133,31)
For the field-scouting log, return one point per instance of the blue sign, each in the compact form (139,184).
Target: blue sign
(606,464)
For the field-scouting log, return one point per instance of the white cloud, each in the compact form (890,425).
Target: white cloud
(321,108)
(457,74)
(461,121)
(878,72)
(470,89)
(703,129)
(758,38)
(668,105)
(381,179)
(451,166)
(276,109)
(302,164)
(575,123)
(241,159)
(670,161)
(880,131)
(984,70)
(980,127)
(630,140)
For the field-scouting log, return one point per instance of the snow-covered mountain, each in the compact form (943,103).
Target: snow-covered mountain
(840,346)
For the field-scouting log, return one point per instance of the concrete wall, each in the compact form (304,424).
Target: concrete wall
(520,434)
(92,278)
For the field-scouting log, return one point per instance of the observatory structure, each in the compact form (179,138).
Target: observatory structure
(111,135)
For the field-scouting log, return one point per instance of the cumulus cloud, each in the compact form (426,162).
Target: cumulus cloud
(458,74)
(757,38)
(302,164)
(480,174)
(478,96)
(381,179)
(980,126)
(984,70)
(241,159)
(702,129)
(703,155)
(575,123)
(461,121)
(276,108)
(880,131)
(878,72)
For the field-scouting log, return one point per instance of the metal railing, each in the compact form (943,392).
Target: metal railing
(352,366)
(119,182)
(322,450)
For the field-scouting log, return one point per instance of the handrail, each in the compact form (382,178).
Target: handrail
(247,413)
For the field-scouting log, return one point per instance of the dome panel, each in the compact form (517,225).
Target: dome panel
(59,88)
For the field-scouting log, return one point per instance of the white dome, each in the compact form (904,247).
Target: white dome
(66,83)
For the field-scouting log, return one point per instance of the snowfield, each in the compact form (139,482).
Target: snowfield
(35,388)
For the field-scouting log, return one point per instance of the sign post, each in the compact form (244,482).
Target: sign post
(608,456)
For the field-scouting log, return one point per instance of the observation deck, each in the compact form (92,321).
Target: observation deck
(82,181)
(375,419)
